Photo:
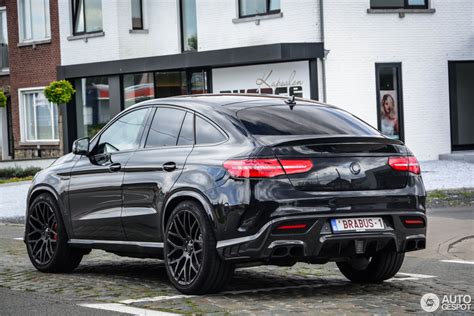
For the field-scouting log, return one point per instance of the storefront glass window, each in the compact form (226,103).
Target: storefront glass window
(92,105)
(137,88)
(389,100)
(198,84)
(168,84)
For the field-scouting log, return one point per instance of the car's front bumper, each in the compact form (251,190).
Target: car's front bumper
(319,243)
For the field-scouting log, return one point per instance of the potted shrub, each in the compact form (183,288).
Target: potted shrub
(59,92)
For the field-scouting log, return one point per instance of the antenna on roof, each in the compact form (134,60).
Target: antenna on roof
(291,102)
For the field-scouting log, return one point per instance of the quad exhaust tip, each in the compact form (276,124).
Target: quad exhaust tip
(415,244)
(288,251)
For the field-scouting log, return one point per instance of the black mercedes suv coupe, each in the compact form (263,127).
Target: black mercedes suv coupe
(213,182)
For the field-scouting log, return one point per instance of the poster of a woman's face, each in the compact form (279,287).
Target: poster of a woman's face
(389,114)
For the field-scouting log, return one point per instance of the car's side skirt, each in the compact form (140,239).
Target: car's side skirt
(123,248)
(91,242)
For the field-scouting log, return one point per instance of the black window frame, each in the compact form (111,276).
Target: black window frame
(74,17)
(141,16)
(267,12)
(406,5)
(401,121)
(181,25)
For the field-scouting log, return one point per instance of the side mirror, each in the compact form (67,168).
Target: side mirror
(81,146)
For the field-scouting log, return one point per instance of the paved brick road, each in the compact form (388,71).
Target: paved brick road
(308,289)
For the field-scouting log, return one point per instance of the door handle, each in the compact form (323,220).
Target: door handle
(169,166)
(115,167)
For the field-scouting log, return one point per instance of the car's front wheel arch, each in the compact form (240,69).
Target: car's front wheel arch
(40,190)
(44,189)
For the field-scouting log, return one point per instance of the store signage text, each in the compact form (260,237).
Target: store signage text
(267,85)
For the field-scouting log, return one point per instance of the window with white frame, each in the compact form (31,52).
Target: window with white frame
(39,117)
(4,65)
(33,20)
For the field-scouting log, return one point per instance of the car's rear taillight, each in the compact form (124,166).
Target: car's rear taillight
(266,168)
(413,221)
(406,163)
(291,227)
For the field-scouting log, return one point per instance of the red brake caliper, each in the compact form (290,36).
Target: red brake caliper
(55,228)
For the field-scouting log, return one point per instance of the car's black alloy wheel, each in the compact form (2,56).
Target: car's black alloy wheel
(42,233)
(46,237)
(184,247)
(192,262)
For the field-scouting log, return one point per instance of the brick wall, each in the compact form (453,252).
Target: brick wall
(31,66)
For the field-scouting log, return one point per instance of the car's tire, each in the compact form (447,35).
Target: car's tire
(191,259)
(46,238)
(382,266)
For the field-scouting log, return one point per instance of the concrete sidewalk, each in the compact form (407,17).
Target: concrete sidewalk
(13,199)
(444,174)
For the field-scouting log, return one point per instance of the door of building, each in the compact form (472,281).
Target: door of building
(461,92)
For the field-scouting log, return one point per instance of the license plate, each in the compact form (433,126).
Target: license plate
(361,224)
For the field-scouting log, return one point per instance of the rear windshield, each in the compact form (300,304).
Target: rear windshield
(302,120)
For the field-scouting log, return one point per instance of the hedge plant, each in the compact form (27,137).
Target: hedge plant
(6,173)
(59,92)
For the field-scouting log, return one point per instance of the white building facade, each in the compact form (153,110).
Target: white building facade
(349,53)
(424,45)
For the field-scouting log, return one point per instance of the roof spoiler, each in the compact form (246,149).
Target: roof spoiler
(298,140)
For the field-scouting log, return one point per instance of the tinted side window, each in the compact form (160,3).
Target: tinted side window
(123,134)
(165,127)
(186,136)
(302,120)
(206,133)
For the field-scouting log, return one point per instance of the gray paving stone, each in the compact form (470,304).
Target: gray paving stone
(314,289)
